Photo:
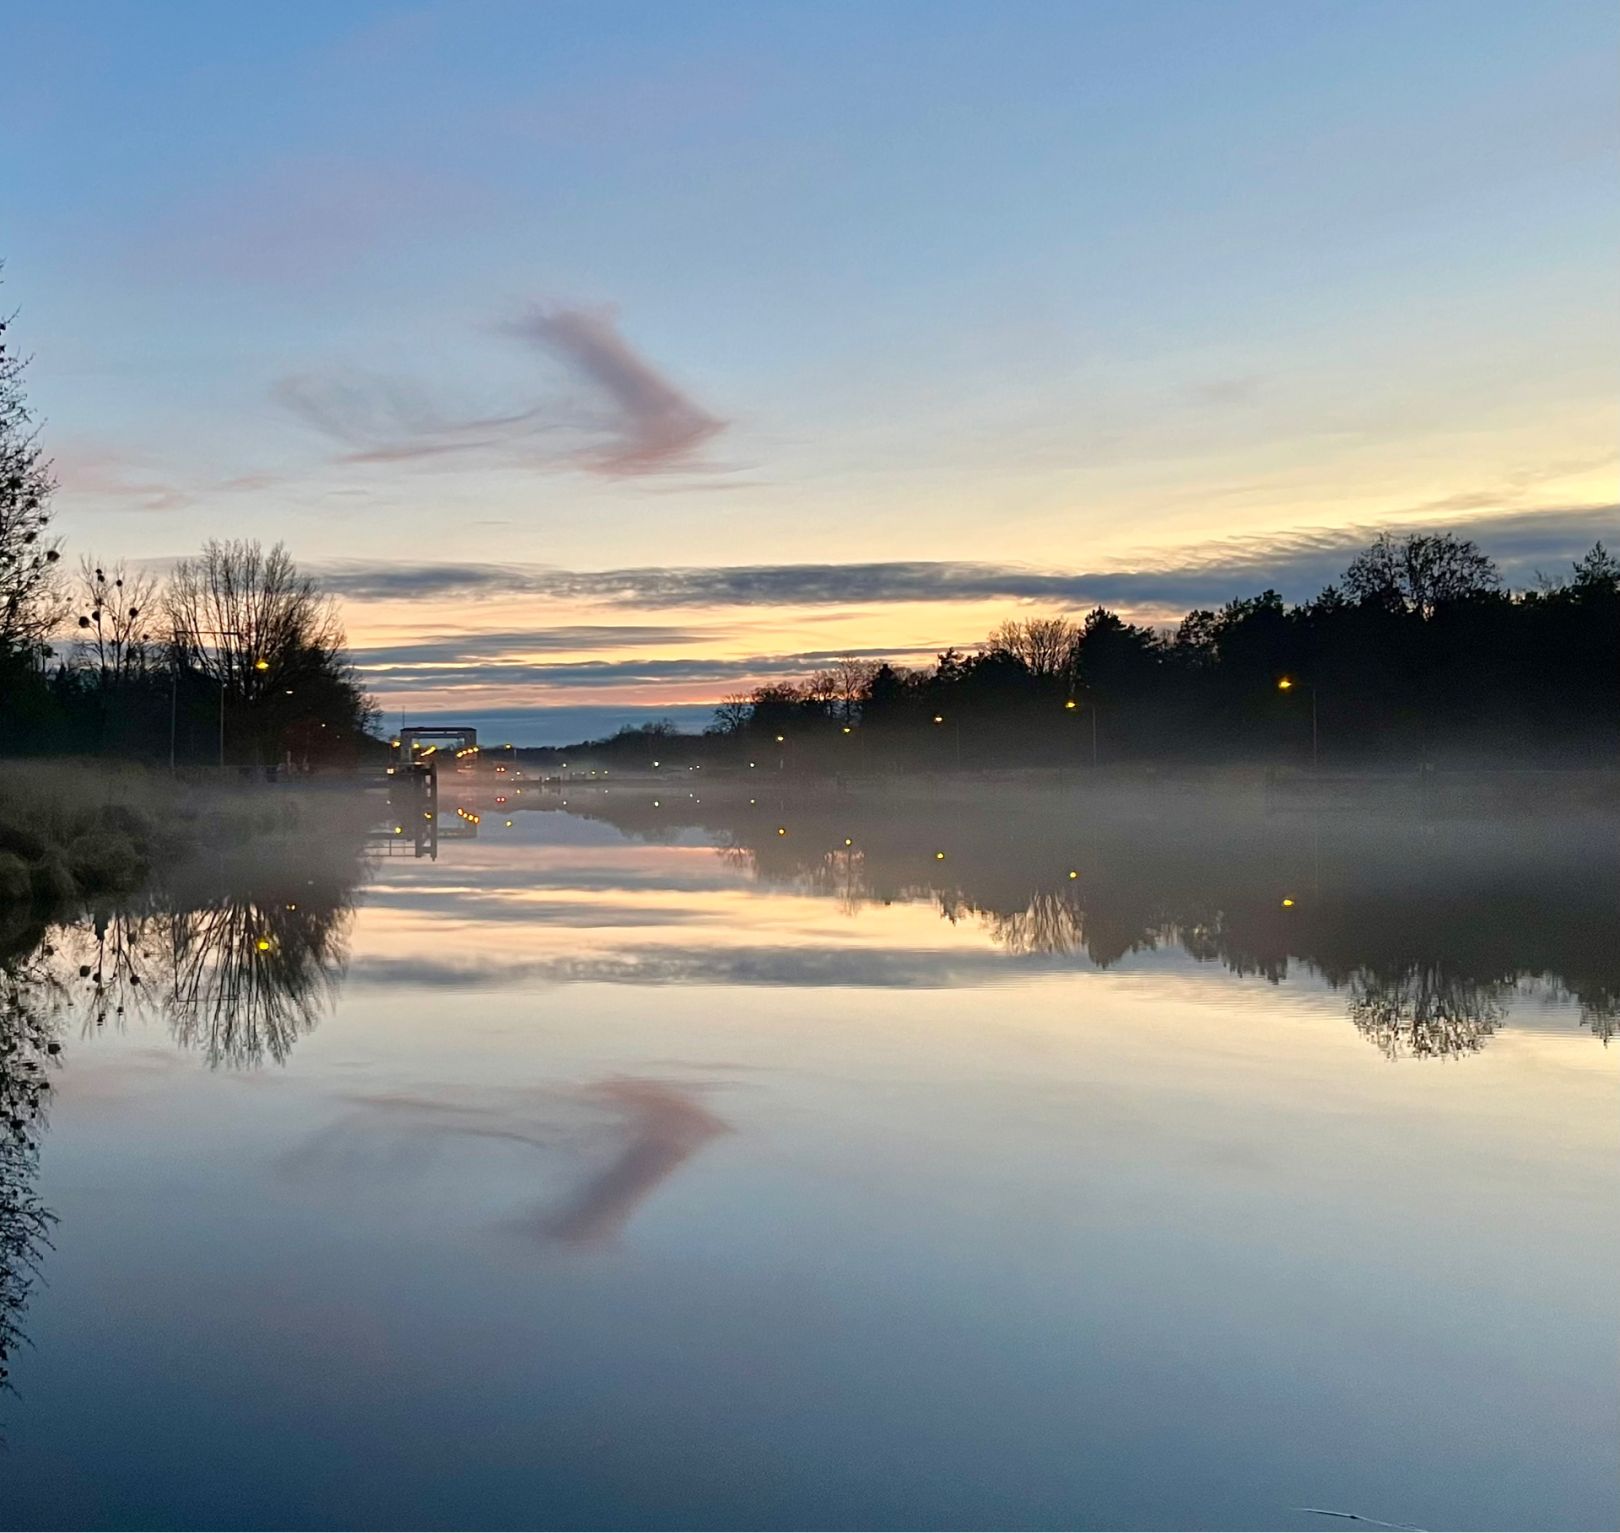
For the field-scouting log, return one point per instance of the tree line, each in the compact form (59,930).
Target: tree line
(1418,653)
(234,658)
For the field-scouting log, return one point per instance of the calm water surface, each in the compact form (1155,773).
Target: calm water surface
(825,1164)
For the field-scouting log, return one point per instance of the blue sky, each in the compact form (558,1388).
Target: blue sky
(1082,287)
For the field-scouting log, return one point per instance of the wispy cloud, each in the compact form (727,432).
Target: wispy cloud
(450,648)
(617,413)
(1298,564)
(108,478)
(650,425)
(399,667)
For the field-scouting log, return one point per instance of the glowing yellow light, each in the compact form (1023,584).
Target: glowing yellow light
(780,739)
(848,730)
(1071,705)
(939,718)
(656,804)
(508,824)
(1285,684)
(1288,904)
(263,944)
(261,665)
(848,842)
(939,856)
(781,830)
(1073,874)
(399,830)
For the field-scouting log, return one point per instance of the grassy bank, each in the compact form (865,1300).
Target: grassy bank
(69,829)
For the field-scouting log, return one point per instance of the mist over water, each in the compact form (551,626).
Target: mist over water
(774,1154)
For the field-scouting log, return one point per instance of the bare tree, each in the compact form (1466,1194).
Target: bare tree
(1421,572)
(820,689)
(115,623)
(266,636)
(1045,645)
(733,714)
(31,604)
(242,616)
(851,678)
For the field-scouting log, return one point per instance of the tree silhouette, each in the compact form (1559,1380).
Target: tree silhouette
(246,621)
(30,602)
(1421,572)
(1417,652)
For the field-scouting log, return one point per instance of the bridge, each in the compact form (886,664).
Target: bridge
(427,738)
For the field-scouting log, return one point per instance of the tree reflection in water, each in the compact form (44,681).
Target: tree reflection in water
(27,1045)
(1424,1012)
(239,975)
(246,979)
(1429,927)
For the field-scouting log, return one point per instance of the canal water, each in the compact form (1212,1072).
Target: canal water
(824,1162)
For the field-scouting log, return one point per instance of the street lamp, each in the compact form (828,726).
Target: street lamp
(1287,684)
(956,728)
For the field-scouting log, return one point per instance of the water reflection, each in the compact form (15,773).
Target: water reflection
(239,963)
(27,1046)
(700,1243)
(1429,929)
(662,1129)
(238,977)
(1425,1011)
(604,1149)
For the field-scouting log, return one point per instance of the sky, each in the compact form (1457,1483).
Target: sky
(606,359)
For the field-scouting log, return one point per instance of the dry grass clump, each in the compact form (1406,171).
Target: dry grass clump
(73,829)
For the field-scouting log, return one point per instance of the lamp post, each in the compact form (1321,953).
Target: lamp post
(1071,706)
(850,732)
(956,728)
(1287,684)
(261,665)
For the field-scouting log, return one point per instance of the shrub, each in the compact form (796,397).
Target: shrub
(52,882)
(105,860)
(15,883)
